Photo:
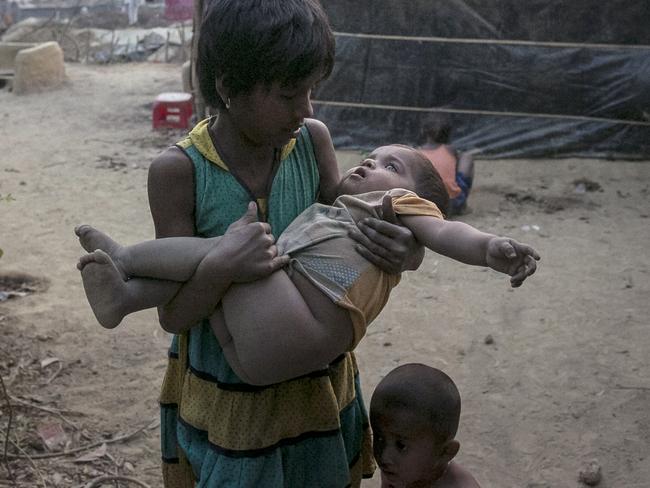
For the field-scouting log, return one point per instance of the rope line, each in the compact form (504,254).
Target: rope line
(511,42)
(479,112)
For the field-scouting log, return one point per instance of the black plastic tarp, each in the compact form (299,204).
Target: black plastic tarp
(517,79)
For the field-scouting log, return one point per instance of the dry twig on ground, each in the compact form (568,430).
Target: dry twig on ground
(92,445)
(102,479)
(29,458)
(53,411)
(5,457)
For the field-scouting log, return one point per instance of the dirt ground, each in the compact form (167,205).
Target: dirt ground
(552,375)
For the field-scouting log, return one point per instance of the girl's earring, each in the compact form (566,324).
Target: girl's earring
(228,103)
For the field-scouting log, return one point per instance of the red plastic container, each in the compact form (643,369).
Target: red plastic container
(172,110)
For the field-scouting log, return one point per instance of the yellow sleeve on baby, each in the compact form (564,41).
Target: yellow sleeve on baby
(411,204)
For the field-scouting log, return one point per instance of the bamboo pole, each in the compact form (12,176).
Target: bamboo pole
(200,108)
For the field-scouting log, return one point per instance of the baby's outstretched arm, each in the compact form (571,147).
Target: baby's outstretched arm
(468,245)
(512,258)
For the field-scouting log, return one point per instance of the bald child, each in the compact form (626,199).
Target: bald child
(414,414)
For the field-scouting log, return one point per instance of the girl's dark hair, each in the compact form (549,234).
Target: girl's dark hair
(429,184)
(246,42)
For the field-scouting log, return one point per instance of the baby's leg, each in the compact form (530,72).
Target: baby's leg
(280,328)
(222,333)
(111,298)
(92,239)
(172,258)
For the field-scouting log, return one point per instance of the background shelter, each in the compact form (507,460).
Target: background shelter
(541,78)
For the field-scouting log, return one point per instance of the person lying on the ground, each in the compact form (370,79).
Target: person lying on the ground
(318,306)
(456,168)
(414,414)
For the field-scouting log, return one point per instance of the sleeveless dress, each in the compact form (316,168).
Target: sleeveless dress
(219,432)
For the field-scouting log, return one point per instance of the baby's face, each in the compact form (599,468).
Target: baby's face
(405,448)
(387,167)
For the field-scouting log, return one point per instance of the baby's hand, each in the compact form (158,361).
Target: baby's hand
(512,258)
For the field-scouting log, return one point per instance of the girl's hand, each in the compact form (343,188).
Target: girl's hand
(247,251)
(387,244)
(512,258)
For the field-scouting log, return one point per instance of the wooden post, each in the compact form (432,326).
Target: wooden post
(200,108)
(167,48)
(110,56)
(181,33)
(87,45)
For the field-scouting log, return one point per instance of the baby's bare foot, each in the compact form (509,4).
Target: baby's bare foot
(105,289)
(92,239)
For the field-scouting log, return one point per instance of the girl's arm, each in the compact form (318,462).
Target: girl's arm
(245,252)
(391,247)
(468,245)
(171,201)
(326,158)
(387,243)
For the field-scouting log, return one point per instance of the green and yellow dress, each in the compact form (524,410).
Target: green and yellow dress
(219,432)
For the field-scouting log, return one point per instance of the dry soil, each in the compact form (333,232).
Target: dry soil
(552,375)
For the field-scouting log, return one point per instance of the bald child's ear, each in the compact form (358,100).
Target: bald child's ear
(450,450)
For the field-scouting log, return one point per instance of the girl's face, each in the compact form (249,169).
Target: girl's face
(387,167)
(272,115)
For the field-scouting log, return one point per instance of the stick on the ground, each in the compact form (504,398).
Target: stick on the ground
(626,387)
(53,411)
(5,457)
(102,479)
(29,458)
(81,448)
(56,373)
